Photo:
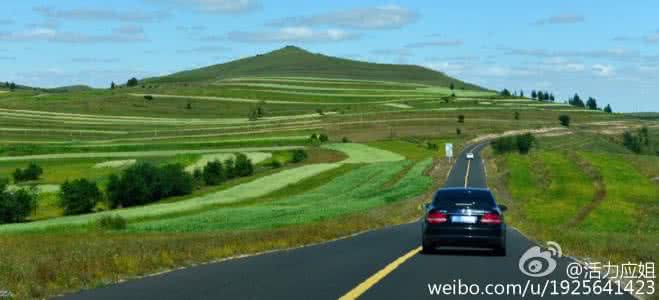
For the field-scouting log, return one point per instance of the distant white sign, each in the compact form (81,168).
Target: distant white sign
(448,148)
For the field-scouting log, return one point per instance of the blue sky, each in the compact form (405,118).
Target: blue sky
(605,49)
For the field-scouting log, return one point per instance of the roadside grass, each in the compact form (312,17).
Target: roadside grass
(631,199)
(621,227)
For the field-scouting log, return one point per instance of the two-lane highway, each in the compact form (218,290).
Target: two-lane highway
(380,264)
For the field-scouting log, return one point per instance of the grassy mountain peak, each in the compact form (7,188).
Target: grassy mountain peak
(295,61)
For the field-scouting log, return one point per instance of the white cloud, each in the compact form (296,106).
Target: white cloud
(380,17)
(88,14)
(603,70)
(127,33)
(291,34)
(561,19)
(214,6)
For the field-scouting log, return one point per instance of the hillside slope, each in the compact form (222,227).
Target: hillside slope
(294,61)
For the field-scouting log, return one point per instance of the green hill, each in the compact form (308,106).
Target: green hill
(294,61)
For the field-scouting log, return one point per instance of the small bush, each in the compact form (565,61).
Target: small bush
(461,119)
(115,222)
(565,120)
(323,138)
(79,196)
(516,115)
(148,97)
(345,140)
(458,131)
(299,155)
(32,172)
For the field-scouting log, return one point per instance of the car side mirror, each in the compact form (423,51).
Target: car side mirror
(503,208)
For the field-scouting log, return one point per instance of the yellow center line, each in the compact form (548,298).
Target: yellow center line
(375,278)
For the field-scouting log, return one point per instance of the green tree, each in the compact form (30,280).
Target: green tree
(516,115)
(12,86)
(565,120)
(452,87)
(299,155)
(32,172)
(214,173)
(505,93)
(534,95)
(79,196)
(591,103)
(461,118)
(323,138)
(16,205)
(608,109)
(243,166)
(112,85)
(524,142)
(132,82)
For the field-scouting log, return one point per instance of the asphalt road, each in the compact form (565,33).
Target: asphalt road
(380,264)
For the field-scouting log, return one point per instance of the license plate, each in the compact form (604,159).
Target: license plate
(464,219)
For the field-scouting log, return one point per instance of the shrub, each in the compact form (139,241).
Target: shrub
(214,173)
(111,223)
(458,131)
(299,155)
(524,142)
(148,97)
(345,140)
(632,142)
(32,172)
(144,183)
(17,205)
(521,143)
(461,119)
(516,115)
(323,138)
(565,120)
(79,196)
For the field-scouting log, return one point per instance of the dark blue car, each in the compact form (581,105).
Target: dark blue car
(464,217)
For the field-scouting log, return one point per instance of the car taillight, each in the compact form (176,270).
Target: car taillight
(436,217)
(491,218)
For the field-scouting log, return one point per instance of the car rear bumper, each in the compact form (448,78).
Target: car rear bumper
(492,237)
(464,241)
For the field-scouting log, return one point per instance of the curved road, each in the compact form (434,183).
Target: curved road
(380,264)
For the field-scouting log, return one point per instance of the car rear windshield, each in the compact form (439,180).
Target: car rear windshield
(463,198)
